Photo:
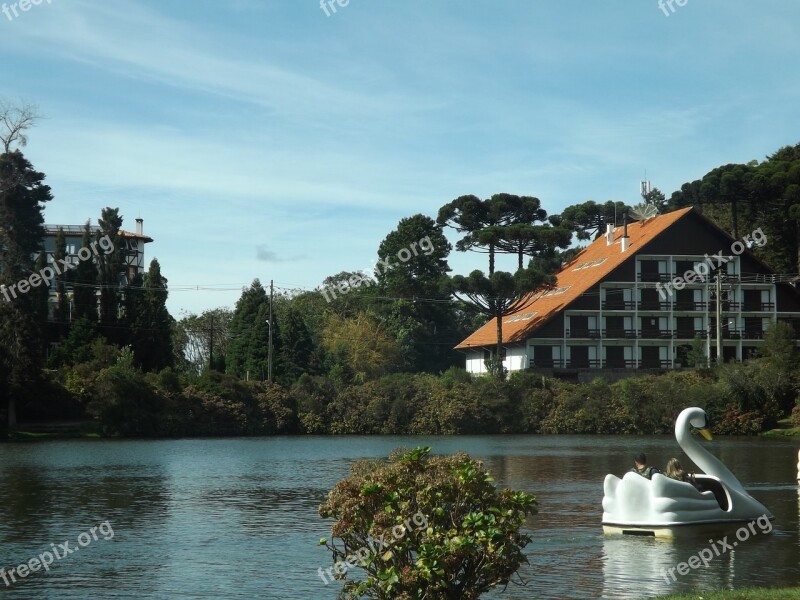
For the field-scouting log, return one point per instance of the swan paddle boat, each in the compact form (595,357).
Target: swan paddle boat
(663,507)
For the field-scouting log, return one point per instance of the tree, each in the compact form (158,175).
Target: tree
(201,341)
(22,198)
(150,321)
(14,121)
(498,296)
(84,278)
(480,220)
(589,219)
(249,344)
(63,307)
(418,251)
(416,311)
(779,347)
(362,345)
(449,533)
(110,267)
(296,347)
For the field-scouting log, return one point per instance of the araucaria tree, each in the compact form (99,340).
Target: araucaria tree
(424,528)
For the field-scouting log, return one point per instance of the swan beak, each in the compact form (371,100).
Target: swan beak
(706,433)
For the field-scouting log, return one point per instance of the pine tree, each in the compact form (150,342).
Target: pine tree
(151,323)
(84,277)
(22,198)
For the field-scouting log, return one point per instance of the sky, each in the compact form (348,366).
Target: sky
(278,140)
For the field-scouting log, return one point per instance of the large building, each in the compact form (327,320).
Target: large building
(132,251)
(639,297)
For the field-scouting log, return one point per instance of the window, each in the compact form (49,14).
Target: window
(522,317)
(556,291)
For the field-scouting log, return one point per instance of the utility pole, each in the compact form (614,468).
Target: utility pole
(719,319)
(269,349)
(708,325)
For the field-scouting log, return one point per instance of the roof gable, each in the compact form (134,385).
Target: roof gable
(583,272)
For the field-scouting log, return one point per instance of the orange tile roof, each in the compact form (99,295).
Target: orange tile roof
(542,306)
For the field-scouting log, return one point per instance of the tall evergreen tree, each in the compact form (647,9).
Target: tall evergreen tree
(84,278)
(60,253)
(249,344)
(151,323)
(22,198)
(296,347)
(110,266)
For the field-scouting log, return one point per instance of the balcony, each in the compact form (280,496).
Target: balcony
(654,305)
(690,334)
(690,306)
(576,332)
(661,277)
(619,305)
(557,363)
(758,306)
(613,333)
(655,364)
(655,334)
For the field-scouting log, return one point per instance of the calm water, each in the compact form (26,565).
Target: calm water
(238,518)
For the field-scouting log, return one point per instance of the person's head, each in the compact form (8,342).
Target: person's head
(674,468)
(640,460)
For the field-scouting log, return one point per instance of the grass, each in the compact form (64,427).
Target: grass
(784,429)
(744,594)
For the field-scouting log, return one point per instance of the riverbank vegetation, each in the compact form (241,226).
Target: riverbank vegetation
(741,399)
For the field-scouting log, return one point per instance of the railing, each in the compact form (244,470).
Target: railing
(655,364)
(651,334)
(583,333)
(619,333)
(758,306)
(653,305)
(619,305)
(655,277)
(690,306)
(690,334)
(619,364)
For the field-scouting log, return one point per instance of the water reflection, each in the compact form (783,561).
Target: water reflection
(238,518)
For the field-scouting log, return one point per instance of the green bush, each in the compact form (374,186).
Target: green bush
(447,532)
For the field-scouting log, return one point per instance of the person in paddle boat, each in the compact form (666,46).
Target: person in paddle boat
(650,503)
(675,471)
(640,466)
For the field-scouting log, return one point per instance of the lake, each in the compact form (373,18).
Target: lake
(237,518)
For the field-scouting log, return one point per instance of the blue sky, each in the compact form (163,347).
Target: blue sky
(262,138)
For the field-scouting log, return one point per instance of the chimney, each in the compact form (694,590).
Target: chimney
(609,234)
(139,226)
(625,241)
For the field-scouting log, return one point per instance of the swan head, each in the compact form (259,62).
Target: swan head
(696,418)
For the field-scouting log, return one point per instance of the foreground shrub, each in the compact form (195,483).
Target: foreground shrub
(424,527)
